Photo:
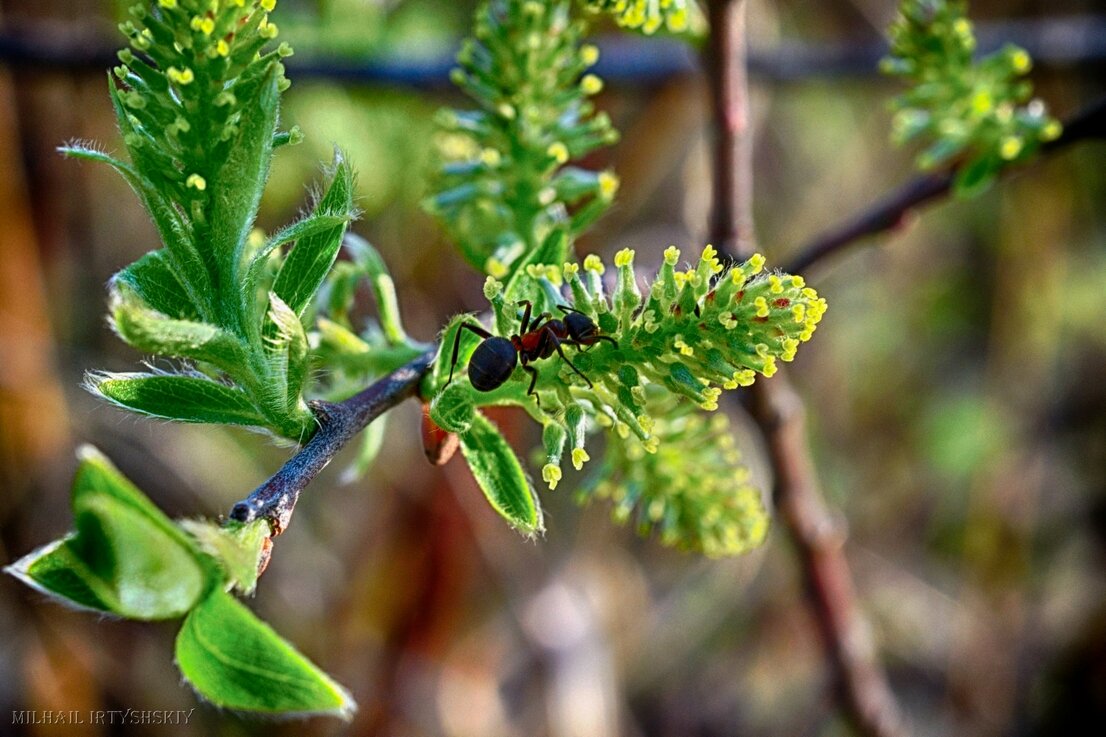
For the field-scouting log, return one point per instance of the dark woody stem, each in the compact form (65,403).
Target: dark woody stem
(893,209)
(275,500)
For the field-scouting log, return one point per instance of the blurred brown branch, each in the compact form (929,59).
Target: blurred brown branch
(1060,42)
(865,696)
(731,225)
(819,539)
(891,211)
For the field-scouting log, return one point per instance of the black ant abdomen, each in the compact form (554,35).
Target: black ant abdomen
(492,363)
(495,359)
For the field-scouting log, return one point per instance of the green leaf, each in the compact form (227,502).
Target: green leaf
(176,397)
(148,573)
(372,266)
(976,176)
(126,557)
(309,227)
(153,280)
(240,550)
(188,263)
(154,332)
(287,343)
(500,476)
(553,250)
(237,185)
(55,570)
(439,374)
(236,661)
(452,409)
(310,259)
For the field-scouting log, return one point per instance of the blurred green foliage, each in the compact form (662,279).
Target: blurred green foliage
(973,111)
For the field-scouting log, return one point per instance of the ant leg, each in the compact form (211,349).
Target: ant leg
(531,325)
(596,338)
(579,373)
(525,316)
(585,347)
(533,382)
(540,324)
(566,309)
(457,343)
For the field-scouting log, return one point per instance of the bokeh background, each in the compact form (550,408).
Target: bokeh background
(957,396)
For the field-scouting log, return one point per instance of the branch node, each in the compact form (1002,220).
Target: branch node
(275,500)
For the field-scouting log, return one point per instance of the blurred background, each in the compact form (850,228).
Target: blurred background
(956,388)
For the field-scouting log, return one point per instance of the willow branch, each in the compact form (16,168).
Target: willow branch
(731,225)
(819,539)
(864,695)
(890,212)
(275,500)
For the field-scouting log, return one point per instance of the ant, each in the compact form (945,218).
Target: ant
(494,360)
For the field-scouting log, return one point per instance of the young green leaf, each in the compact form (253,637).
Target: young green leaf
(239,549)
(371,265)
(239,182)
(310,259)
(453,409)
(976,176)
(500,476)
(153,332)
(55,570)
(236,661)
(175,397)
(187,262)
(126,558)
(152,279)
(147,574)
(287,348)
(313,225)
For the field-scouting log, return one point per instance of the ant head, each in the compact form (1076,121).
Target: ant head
(580,326)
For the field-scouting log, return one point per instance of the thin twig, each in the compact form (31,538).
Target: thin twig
(864,694)
(891,211)
(731,224)
(275,500)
